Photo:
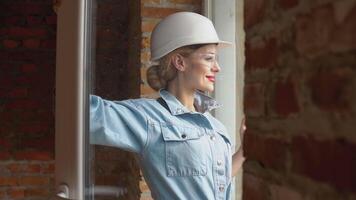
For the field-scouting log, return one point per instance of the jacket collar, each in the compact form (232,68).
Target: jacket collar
(202,102)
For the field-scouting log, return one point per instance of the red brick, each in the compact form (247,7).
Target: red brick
(3,92)
(254,11)
(288,4)
(45,143)
(158,12)
(12,20)
(314,32)
(8,181)
(48,169)
(147,26)
(23,104)
(24,168)
(271,152)
(33,155)
(48,44)
(109,12)
(33,180)
(34,127)
(107,179)
(23,116)
(31,43)
(254,99)
(18,93)
(24,32)
(6,81)
(254,188)
(34,20)
(108,154)
(16,193)
(331,161)
(10,44)
(38,192)
(25,8)
(5,155)
(285,98)
(51,19)
(331,89)
(2,195)
(343,38)
(261,54)
(5,143)
(28,68)
(28,56)
(6,115)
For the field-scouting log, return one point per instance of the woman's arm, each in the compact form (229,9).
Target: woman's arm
(118,124)
(238,158)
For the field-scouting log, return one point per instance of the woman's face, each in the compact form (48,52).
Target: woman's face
(201,68)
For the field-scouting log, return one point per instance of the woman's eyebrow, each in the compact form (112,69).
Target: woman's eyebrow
(205,53)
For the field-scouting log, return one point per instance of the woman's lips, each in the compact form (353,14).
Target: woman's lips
(211,78)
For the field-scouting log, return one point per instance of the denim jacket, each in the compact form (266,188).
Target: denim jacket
(183,154)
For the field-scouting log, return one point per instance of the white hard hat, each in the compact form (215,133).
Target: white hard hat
(182,29)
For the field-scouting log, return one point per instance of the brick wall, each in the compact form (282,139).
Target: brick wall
(300,99)
(27,65)
(116,75)
(27,78)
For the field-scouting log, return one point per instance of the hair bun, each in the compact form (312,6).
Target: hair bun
(153,78)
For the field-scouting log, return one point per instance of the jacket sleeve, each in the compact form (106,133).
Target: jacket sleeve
(118,124)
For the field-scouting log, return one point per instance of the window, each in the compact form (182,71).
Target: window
(87,56)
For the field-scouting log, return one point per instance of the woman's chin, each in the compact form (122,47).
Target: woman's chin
(207,89)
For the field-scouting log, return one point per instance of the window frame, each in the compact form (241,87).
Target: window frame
(72,89)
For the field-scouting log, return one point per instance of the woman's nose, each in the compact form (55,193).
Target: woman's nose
(216,67)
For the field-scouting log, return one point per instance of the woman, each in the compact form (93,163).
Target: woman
(185,153)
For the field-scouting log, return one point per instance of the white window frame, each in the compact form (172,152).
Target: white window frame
(70,96)
(227,16)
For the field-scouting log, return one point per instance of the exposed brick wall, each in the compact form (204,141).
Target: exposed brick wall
(27,66)
(116,76)
(300,99)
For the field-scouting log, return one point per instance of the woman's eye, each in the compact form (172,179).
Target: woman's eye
(209,58)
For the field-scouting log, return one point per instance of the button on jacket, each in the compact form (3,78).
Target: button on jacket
(183,154)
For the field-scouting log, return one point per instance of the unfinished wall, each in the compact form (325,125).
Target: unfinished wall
(27,77)
(300,99)
(116,76)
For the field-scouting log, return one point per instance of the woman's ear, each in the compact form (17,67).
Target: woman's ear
(179,62)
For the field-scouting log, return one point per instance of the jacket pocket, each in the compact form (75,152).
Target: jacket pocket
(185,150)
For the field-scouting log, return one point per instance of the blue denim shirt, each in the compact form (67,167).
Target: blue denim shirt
(183,154)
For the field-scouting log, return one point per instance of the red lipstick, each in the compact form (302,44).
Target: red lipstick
(211,78)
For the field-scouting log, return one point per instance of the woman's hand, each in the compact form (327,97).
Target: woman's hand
(238,158)
(242,133)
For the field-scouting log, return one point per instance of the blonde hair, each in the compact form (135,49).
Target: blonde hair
(158,76)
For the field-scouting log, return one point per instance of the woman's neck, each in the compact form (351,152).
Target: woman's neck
(184,95)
